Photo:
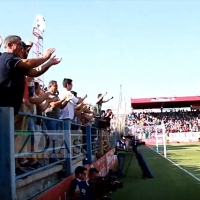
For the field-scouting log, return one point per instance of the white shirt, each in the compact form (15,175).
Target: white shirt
(68,111)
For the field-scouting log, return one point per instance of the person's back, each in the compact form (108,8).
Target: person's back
(12,80)
(85,192)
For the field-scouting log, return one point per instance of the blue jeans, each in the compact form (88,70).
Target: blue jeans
(31,124)
(34,128)
(53,127)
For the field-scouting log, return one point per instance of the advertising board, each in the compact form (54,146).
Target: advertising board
(61,190)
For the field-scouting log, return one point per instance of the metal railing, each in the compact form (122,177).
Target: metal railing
(67,145)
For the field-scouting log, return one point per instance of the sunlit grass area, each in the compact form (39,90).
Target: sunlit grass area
(186,155)
(169,182)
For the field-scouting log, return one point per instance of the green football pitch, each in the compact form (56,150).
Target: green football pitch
(169,182)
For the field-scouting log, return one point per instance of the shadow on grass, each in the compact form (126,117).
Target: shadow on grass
(169,182)
(180,147)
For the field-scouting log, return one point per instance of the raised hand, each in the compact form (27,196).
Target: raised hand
(49,53)
(54,60)
(30,44)
(69,97)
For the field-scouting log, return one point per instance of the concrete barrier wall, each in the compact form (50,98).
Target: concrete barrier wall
(61,190)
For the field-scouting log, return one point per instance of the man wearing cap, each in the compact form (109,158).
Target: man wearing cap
(13,69)
(121,154)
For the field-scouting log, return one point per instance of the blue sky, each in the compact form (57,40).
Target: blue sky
(152,48)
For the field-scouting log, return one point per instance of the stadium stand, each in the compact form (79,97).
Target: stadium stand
(53,133)
(183,113)
(175,121)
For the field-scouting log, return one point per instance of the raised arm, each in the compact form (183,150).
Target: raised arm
(44,67)
(107,100)
(101,97)
(35,62)
(80,100)
(78,106)
(40,99)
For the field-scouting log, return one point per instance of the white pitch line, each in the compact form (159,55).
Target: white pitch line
(192,175)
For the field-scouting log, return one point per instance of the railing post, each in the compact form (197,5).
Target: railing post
(67,154)
(89,144)
(101,142)
(7,164)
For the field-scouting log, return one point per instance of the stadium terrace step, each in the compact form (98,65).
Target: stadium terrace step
(38,182)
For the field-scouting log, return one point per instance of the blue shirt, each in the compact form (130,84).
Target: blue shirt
(83,188)
(121,145)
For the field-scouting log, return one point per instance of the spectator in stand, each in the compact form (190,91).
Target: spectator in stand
(24,123)
(108,115)
(175,121)
(82,113)
(100,101)
(68,111)
(53,110)
(113,124)
(12,87)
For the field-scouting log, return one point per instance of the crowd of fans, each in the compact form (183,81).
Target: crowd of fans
(20,90)
(174,121)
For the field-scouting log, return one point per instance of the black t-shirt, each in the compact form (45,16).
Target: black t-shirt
(108,119)
(12,82)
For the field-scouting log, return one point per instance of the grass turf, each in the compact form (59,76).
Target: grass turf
(187,156)
(169,182)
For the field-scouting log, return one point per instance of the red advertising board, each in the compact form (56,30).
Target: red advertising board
(61,190)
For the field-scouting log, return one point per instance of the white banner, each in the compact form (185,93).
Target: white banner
(184,137)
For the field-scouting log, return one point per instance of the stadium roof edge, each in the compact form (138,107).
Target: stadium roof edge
(165,102)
